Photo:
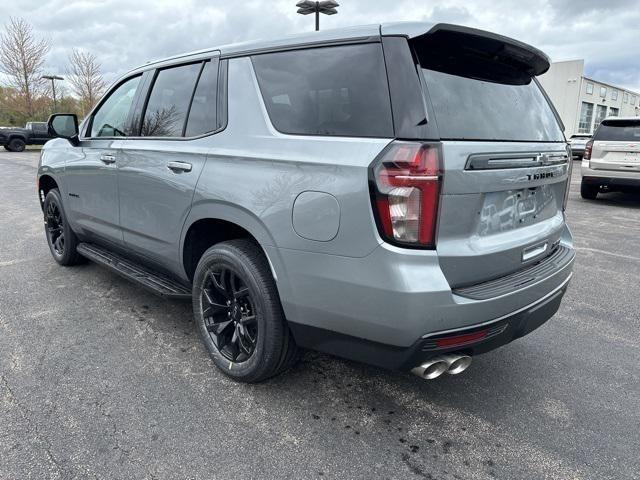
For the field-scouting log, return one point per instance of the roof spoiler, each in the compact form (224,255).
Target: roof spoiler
(478,54)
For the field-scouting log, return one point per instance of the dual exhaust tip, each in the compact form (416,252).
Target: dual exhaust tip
(452,364)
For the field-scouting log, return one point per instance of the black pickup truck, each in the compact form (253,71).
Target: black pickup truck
(16,139)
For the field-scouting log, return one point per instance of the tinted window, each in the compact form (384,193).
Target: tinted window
(479,110)
(619,131)
(327,91)
(110,119)
(169,101)
(202,116)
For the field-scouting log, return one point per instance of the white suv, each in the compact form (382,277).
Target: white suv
(611,161)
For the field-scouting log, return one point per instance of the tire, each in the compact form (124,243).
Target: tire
(6,147)
(589,191)
(238,312)
(16,145)
(61,239)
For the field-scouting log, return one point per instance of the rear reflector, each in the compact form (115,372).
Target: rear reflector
(405,188)
(459,340)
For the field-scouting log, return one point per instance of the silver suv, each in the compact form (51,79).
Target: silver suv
(611,161)
(390,194)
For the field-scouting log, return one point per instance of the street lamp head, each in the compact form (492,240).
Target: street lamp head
(307,7)
(52,77)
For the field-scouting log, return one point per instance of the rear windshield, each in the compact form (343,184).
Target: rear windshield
(470,109)
(619,131)
(338,91)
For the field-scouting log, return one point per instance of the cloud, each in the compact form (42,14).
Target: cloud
(125,33)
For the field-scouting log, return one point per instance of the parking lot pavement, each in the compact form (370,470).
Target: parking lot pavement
(100,379)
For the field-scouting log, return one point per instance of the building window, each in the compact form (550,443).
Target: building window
(603,92)
(601,113)
(632,100)
(625,97)
(586,116)
(614,94)
(590,88)
(614,112)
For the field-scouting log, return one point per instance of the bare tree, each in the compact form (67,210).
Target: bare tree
(21,58)
(85,78)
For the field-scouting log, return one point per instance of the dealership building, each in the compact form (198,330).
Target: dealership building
(583,102)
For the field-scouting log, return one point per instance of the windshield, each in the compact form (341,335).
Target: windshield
(469,109)
(619,131)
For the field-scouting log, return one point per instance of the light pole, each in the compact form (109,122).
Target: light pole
(53,79)
(307,7)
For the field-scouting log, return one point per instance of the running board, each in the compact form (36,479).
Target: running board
(157,283)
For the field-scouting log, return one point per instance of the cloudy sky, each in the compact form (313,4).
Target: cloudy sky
(126,33)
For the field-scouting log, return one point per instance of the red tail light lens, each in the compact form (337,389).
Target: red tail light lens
(587,150)
(405,190)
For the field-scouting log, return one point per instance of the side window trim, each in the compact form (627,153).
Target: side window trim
(89,124)
(193,94)
(140,102)
(223,96)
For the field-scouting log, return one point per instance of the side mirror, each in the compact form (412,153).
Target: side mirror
(64,125)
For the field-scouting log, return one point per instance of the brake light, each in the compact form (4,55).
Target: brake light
(587,150)
(405,189)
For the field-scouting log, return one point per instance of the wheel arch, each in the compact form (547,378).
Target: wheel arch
(213,222)
(46,183)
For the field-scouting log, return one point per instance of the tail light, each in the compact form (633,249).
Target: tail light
(587,150)
(405,188)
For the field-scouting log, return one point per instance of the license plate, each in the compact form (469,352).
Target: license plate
(631,157)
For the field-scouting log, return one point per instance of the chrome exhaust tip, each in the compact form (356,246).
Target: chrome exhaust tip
(457,363)
(431,369)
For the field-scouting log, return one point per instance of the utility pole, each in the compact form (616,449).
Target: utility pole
(307,7)
(53,79)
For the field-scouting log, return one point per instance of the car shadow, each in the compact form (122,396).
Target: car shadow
(620,199)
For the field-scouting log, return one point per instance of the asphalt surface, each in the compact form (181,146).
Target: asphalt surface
(100,379)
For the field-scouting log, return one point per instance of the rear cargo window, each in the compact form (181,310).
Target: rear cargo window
(618,131)
(470,109)
(339,91)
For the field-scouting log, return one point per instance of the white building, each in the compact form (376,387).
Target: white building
(583,102)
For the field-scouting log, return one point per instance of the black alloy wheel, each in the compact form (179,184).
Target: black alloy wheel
(238,312)
(61,239)
(229,313)
(55,228)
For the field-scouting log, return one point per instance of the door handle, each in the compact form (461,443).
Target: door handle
(177,167)
(107,159)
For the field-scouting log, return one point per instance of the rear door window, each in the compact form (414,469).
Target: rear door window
(618,131)
(339,91)
(168,104)
(471,109)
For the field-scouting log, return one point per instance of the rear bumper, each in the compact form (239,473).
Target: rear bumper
(499,332)
(577,151)
(394,299)
(610,178)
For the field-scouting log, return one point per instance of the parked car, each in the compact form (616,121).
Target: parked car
(325,191)
(578,143)
(611,160)
(16,139)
